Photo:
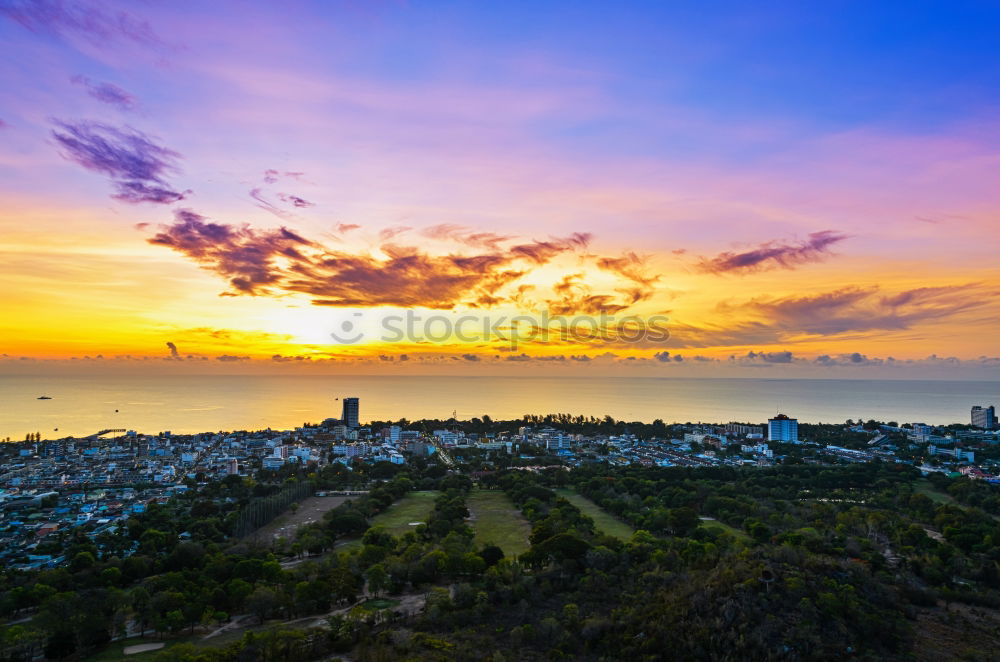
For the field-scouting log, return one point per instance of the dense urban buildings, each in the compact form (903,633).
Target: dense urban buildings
(120,499)
(740,429)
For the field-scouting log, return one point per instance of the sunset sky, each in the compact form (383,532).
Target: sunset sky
(221,186)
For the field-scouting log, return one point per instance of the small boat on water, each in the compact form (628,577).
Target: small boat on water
(44,397)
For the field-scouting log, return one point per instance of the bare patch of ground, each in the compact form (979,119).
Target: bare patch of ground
(934,534)
(284,525)
(956,632)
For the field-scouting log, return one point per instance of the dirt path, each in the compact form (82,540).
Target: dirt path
(233,624)
(142,648)
(409,604)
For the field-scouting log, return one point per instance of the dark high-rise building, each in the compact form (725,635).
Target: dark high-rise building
(349,417)
(783,428)
(984,418)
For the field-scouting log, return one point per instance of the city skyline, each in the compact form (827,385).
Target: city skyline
(195,189)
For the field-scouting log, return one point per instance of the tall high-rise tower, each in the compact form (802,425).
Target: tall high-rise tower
(349,417)
(984,418)
(782,428)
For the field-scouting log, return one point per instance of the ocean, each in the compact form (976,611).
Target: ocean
(186,404)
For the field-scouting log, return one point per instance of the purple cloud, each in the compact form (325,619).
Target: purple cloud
(86,19)
(269,206)
(278,261)
(463,235)
(541,252)
(136,192)
(756,359)
(299,203)
(666,357)
(573,296)
(108,93)
(391,233)
(239,253)
(271,175)
(774,255)
(135,164)
(862,309)
(852,359)
(295,200)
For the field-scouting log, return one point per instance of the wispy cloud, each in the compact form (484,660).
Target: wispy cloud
(464,235)
(573,296)
(295,200)
(845,313)
(136,165)
(865,309)
(273,175)
(107,93)
(635,269)
(774,255)
(89,20)
(391,233)
(262,202)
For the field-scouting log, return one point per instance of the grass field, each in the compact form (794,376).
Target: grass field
(725,528)
(414,507)
(605,521)
(926,488)
(496,520)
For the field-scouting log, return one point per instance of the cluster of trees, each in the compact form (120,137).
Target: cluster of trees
(274,645)
(826,563)
(820,562)
(177,566)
